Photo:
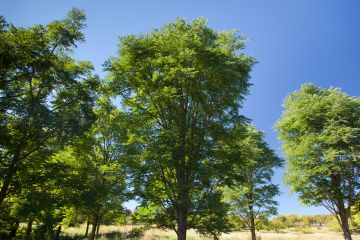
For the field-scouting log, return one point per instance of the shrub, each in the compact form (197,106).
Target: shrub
(136,233)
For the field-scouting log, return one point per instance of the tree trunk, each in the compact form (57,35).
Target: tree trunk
(98,226)
(251,223)
(8,178)
(252,227)
(14,229)
(344,221)
(181,222)
(94,227)
(250,198)
(29,228)
(343,214)
(87,228)
(181,175)
(58,231)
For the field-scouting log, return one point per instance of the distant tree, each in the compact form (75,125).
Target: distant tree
(298,221)
(46,97)
(320,131)
(183,85)
(252,198)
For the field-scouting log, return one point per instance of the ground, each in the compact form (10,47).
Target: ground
(152,234)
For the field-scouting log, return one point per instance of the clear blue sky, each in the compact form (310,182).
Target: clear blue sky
(293,41)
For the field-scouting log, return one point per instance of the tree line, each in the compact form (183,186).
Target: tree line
(163,127)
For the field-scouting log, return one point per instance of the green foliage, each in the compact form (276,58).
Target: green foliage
(183,85)
(145,215)
(236,222)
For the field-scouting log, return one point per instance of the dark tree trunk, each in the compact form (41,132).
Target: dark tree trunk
(181,221)
(14,229)
(250,198)
(344,221)
(252,227)
(181,207)
(182,175)
(343,213)
(29,228)
(94,226)
(57,234)
(182,196)
(87,228)
(98,226)
(8,178)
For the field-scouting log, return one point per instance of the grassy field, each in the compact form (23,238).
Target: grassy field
(119,232)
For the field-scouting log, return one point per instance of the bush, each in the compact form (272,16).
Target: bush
(136,233)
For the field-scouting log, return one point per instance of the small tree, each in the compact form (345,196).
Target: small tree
(252,197)
(102,164)
(320,131)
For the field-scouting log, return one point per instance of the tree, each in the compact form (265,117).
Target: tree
(46,97)
(320,131)
(252,197)
(183,85)
(102,157)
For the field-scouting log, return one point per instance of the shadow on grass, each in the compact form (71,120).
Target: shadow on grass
(104,236)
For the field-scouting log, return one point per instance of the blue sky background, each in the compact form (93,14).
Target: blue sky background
(293,41)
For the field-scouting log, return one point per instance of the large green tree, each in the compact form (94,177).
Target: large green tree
(46,97)
(320,131)
(252,196)
(183,85)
